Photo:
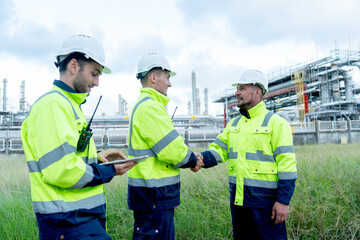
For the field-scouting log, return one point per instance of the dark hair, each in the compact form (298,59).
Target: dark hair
(78,56)
(156,70)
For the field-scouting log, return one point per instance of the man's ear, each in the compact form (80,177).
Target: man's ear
(73,66)
(152,77)
(259,91)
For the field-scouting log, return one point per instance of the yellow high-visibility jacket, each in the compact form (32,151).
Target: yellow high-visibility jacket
(154,184)
(66,185)
(261,158)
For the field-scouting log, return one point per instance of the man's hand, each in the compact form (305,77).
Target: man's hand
(200,162)
(122,168)
(280,211)
(110,155)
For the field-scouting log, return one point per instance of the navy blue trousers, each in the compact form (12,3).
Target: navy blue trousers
(157,225)
(251,223)
(93,229)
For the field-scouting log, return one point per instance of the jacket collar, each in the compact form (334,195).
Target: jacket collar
(79,98)
(157,96)
(257,109)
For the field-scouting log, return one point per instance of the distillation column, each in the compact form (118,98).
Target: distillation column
(4,94)
(349,96)
(22,101)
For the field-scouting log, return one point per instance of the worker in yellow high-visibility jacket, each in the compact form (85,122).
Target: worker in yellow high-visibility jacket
(67,183)
(154,184)
(259,149)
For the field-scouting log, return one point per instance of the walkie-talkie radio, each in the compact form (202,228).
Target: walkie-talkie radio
(86,133)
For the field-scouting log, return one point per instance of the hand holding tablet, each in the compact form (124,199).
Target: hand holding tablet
(136,159)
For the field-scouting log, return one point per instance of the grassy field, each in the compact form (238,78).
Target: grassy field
(326,203)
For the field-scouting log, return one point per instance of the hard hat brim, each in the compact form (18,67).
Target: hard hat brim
(235,84)
(106,70)
(264,90)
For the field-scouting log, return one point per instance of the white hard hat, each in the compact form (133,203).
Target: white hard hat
(86,45)
(150,61)
(254,77)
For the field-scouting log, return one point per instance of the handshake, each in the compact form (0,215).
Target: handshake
(200,162)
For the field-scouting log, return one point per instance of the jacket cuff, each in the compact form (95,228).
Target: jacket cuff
(192,161)
(102,174)
(285,191)
(208,159)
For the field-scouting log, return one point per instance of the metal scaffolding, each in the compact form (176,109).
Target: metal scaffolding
(319,90)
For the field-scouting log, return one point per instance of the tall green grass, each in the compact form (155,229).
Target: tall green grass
(17,219)
(325,205)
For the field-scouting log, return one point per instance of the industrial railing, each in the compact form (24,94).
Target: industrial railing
(10,139)
(319,132)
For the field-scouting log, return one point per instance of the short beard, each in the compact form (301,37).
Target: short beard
(244,105)
(80,84)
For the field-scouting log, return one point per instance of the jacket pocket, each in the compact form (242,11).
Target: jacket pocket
(258,169)
(266,171)
(261,138)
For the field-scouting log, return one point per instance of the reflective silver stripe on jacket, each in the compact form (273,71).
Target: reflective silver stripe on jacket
(138,152)
(236,121)
(287,175)
(51,157)
(85,178)
(166,140)
(56,155)
(232,154)
(90,160)
(221,144)
(259,156)
(61,94)
(232,179)
(151,183)
(185,160)
(216,156)
(284,149)
(260,183)
(267,119)
(159,146)
(59,206)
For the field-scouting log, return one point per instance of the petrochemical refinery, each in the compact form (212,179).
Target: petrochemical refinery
(320,90)
(320,99)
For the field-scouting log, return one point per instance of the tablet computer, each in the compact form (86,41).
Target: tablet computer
(135,159)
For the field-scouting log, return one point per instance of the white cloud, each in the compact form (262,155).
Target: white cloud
(216,39)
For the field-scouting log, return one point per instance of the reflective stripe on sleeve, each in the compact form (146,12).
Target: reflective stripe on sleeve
(287,175)
(51,157)
(185,160)
(221,144)
(160,145)
(33,166)
(217,156)
(150,183)
(48,207)
(85,178)
(284,149)
(90,160)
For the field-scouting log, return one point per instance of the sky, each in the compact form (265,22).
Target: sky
(218,40)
